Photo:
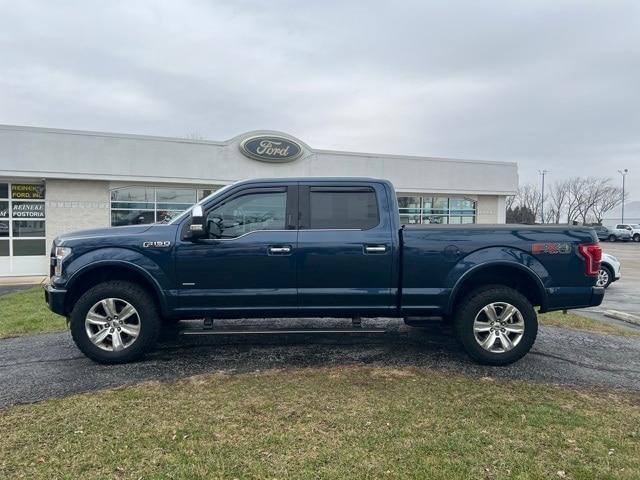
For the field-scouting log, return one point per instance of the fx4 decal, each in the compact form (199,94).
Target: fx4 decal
(552,248)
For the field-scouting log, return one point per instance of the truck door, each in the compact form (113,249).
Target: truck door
(247,261)
(345,254)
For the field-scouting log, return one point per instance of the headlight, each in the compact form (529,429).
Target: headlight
(61,254)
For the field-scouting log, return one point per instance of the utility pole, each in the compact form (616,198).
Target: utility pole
(543,173)
(624,176)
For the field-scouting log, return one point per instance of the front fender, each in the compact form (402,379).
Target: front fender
(119,257)
(491,257)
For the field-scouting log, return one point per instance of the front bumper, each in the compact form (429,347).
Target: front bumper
(55,299)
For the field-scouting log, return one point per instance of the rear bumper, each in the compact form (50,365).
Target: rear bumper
(566,298)
(597,295)
(55,299)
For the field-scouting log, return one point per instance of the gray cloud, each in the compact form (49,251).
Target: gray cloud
(548,84)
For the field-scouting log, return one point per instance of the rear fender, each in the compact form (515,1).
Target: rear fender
(487,258)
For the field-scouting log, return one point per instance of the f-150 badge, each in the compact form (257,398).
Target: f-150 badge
(164,244)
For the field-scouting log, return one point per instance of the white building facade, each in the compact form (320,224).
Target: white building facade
(54,181)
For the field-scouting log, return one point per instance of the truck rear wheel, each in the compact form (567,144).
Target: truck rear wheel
(115,322)
(496,325)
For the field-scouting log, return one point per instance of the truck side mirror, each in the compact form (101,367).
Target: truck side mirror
(196,229)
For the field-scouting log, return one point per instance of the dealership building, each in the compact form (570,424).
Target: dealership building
(54,181)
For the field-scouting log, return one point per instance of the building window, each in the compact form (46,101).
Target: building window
(439,210)
(22,219)
(140,205)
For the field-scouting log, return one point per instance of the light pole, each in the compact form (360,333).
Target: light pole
(624,176)
(543,173)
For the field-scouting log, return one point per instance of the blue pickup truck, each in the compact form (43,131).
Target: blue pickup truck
(317,247)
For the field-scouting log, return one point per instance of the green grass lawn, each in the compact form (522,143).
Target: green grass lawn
(578,322)
(349,422)
(25,312)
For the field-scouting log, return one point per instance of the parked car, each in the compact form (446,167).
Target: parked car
(609,270)
(632,228)
(328,247)
(612,234)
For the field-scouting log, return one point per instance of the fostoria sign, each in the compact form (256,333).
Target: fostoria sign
(269,148)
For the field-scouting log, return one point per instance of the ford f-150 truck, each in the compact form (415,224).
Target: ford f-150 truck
(317,247)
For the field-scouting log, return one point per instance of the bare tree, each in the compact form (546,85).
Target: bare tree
(575,198)
(529,198)
(511,201)
(581,199)
(609,197)
(558,199)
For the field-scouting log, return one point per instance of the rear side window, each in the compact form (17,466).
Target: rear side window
(343,208)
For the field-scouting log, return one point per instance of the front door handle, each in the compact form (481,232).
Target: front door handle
(279,249)
(375,248)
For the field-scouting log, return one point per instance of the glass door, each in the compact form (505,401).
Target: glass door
(23,249)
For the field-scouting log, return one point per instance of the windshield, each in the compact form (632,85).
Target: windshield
(205,199)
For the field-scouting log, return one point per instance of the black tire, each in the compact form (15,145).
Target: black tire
(609,272)
(140,299)
(636,237)
(612,238)
(473,303)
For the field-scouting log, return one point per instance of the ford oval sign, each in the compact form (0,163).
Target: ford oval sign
(271,148)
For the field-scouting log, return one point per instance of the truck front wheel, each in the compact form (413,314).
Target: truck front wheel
(496,325)
(115,322)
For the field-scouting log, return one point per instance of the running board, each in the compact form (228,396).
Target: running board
(276,331)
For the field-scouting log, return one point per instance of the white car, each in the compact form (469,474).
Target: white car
(633,228)
(609,270)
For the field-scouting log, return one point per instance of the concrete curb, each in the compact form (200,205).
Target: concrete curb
(624,316)
(33,280)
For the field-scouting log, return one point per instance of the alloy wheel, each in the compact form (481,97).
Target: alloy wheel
(112,324)
(498,327)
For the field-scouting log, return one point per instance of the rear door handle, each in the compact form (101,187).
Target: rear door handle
(375,248)
(279,249)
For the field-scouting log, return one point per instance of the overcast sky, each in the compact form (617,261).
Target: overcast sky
(550,84)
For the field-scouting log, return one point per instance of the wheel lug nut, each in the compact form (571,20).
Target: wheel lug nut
(111,330)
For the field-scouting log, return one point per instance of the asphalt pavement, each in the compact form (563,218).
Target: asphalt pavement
(43,366)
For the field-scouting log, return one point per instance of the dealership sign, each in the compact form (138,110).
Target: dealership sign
(27,191)
(27,210)
(269,148)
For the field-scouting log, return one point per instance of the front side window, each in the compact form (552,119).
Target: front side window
(248,213)
(342,209)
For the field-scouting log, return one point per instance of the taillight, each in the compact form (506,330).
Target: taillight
(592,253)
